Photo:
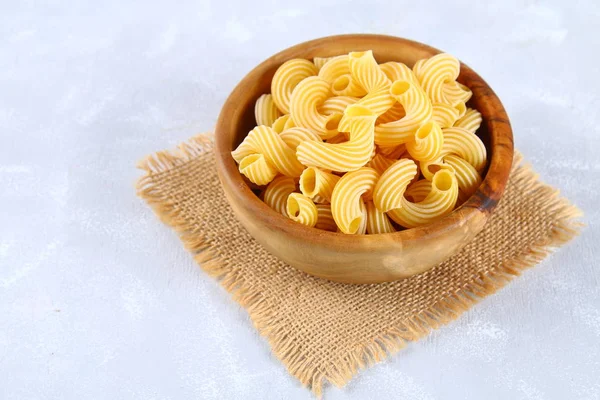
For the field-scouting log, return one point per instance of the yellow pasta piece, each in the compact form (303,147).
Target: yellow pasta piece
(437,76)
(377,222)
(455,92)
(417,68)
(466,145)
(444,115)
(307,96)
(286,78)
(439,202)
(418,110)
(337,104)
(321,61)
(317,183)
(265,110)
(393,152)
(337,73)
(294,136)
(277,192)
(428,142)
(347,200)
(380,163)
(256,168)
(395,113)
(389,191)
(243,150)
(301,209)
(362,228)
(334,68)
(396,71)
(365,70)
(279,124)
(266,141)
(418,191)
(466,175)
(347,156)
(461,108)
(471,121)
(429,167)
(325,219)
(379,101)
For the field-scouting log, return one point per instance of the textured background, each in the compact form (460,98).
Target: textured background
(99,300)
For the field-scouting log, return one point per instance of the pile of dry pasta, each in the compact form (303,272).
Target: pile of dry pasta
(346,144)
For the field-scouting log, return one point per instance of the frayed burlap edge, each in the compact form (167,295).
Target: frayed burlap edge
(340,370)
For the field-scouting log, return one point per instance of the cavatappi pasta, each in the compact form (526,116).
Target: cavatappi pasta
(345,144)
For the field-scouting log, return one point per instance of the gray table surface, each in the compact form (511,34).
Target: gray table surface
(98,300)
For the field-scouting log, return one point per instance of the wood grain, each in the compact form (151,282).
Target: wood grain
(365,258)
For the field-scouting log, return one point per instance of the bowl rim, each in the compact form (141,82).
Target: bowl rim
(484,199)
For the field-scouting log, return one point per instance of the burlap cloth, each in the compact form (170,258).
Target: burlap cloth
(324,331)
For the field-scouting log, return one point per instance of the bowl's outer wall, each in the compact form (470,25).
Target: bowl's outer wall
(364,258)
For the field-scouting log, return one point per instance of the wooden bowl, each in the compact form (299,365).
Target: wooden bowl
(361,258)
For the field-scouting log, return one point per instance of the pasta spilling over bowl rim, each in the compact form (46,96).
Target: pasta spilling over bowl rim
(346,144)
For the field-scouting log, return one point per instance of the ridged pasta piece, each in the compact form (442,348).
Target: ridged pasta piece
(265,110)
(301,209)
(347,200)
(377,222)
(466,175)
(455,92)
(337,73)
(379,101)
(294,136)
(395,113)
(266,141)
(393,152)
(430,167)
(362,228)
(279,124)
(243,150)
(418,110)
(439,202)
(334,68)
(307,96)
(287,76)
(257,169)
(277,192)
(337,104)
(396,71)
(417,68)
(418,191)
(465,144)
(461,108)
(428,142)
(471,121)
(444,115)
(321,61)
(347,156)
(314,182)
(325,219)
(389,190)
(365,70)
(380,163)
(437,75)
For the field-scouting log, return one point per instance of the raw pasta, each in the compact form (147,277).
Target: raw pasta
(347,145)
